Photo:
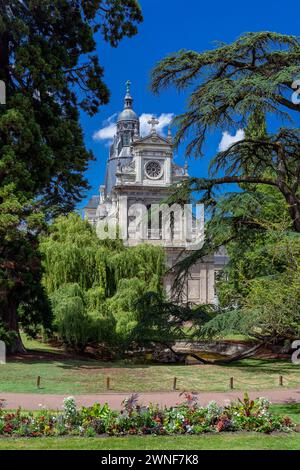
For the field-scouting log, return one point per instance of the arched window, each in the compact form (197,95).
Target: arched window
(126,138)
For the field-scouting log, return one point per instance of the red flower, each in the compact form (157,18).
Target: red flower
(220,426)
(8,428)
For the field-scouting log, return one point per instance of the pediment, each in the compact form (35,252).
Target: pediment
(153,139)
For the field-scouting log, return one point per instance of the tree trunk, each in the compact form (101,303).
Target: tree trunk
(242,355)
(293,207)
(294,210)
(11,320)
(4,57)
(237,357)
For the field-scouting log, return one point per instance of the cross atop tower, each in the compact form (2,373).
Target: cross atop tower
(128,83)
(153,122)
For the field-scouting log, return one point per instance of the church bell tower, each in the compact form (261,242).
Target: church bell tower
(141,171)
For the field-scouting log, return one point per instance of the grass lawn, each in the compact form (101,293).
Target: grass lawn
(249,441)
(38,346)
(63,375)
(225,441)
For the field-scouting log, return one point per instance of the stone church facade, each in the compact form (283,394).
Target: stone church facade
(141,174)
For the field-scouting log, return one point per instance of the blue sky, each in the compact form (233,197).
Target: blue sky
(170,25)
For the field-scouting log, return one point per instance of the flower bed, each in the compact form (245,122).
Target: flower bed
(185,418)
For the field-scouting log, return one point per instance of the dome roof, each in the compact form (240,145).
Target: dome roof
(127,115)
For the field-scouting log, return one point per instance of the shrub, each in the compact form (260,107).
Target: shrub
(186,418)
(70,414)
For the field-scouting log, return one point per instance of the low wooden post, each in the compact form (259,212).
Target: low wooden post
(38,382)
(107,383)
(174,383)
(281,381)
(231,383)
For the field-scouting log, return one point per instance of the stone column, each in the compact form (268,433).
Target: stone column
(168,170)
(203,283)
(210,283)
(138,168)
(123,217)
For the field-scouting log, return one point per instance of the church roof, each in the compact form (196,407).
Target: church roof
(127,115)
(93,202)
(153,138)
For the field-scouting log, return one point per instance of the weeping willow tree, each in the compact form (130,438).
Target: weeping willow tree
(94,284)
(71,317)
(145,262)
(74,254)
(75,320)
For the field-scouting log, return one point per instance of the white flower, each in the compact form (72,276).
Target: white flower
(263,403)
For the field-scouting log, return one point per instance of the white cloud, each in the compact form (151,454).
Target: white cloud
(164,120)
(227,139)
(108,130)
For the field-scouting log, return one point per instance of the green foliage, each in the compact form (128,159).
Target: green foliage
(103,293)
(70,316)
(167,319)
(231,81)
(255,222)
(6,336)
(95,411)
(147,264)
(224,324)
(271,309)
(256,127)
(49,65)
(248,224)
(258,288)
(235,85)
(94,284)
(185,418)
(73,254)
(76,323)
(238,85)
(261,297)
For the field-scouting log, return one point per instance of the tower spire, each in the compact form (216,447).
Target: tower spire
(128,124)
(128,98)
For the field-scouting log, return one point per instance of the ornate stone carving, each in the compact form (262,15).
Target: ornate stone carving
(129,168)
(153,169)
(177,170)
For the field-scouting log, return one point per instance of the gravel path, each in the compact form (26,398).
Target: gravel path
(34,401)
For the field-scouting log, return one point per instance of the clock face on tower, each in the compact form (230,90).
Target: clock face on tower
(153,169)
